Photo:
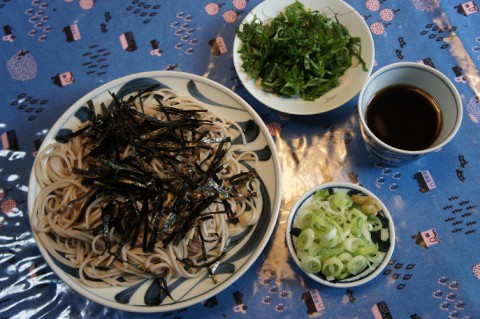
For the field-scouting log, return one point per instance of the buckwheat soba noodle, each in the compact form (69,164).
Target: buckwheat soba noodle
(150,186)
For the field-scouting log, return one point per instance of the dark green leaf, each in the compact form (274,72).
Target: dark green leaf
(301,53)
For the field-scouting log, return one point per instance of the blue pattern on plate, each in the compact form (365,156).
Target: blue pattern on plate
(195,92)
(156,293)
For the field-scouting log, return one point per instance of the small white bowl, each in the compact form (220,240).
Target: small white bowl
(385,237)
(350,83)
(430,80)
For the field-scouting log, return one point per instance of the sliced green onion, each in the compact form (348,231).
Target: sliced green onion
(357,264)
(305,239)
(332,251)
(336,234)
(357,224)
(324,228)
(332,242)
(367,250)
(304,218)
(321,194)
(340,200)
(332,267)
(375,258)
(345,257)
(352,243)
(311,264)
(301,254)
(316,250)
(375,222)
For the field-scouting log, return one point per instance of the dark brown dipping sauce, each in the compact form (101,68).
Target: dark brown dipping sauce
(405,117)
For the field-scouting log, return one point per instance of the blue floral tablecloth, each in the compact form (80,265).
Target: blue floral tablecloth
(54,52)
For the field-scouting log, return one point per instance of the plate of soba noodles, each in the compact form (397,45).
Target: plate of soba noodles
(155,191)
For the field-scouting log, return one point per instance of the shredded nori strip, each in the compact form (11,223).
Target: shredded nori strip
(137,194)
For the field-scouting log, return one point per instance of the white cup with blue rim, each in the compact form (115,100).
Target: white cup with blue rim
(415,75)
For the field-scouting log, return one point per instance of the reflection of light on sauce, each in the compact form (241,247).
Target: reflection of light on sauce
(460,54)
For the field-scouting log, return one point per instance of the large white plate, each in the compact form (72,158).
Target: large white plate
(249,244)
(350,83)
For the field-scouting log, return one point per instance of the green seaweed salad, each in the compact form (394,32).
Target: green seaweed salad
(301,53)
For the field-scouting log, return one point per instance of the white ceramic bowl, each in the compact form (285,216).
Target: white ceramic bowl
(432,81)
(350,83)
(385,237)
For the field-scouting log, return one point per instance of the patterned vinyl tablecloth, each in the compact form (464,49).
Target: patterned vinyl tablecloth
(53,52)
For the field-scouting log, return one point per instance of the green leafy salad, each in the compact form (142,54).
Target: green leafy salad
(336,234)
(301,53)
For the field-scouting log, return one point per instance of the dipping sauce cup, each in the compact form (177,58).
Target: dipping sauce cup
(407,110)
